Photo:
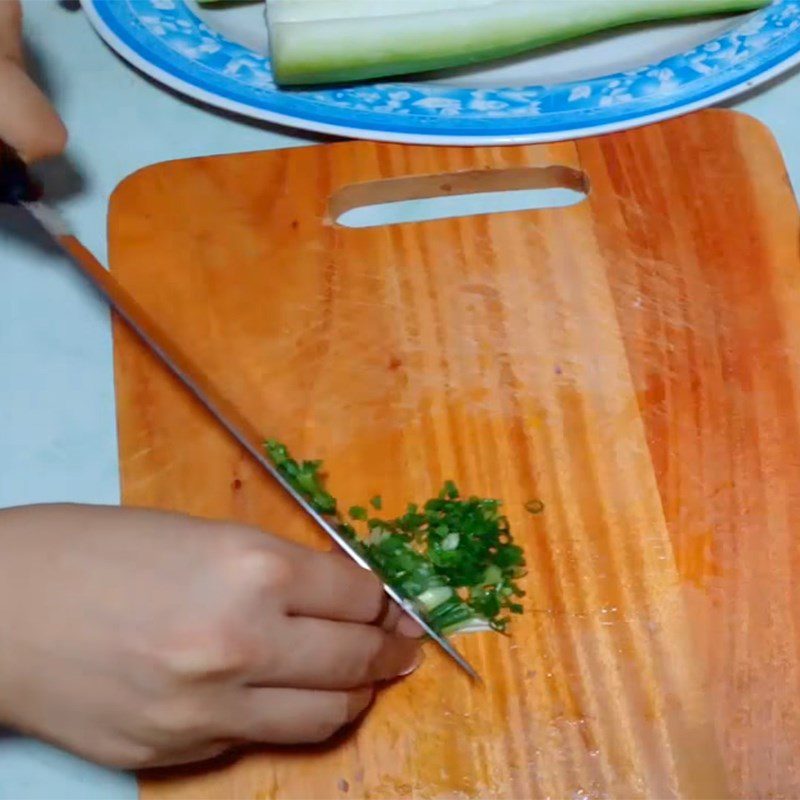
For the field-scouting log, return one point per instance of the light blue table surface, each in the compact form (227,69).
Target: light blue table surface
(57,425)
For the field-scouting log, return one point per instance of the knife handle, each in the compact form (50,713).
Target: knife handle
(17,185)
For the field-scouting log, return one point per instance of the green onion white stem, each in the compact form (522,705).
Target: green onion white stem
(333,41)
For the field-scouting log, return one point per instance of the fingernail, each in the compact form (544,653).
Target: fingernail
(414,666)
(409,628)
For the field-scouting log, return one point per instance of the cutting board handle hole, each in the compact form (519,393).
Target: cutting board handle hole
(423,198)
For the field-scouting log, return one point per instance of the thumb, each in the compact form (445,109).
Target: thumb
(27,120)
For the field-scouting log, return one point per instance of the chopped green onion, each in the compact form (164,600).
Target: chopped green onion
(450,542)
(305,477)
(454,557)
(449,490)
(435,596)
(492,575)
(358,512)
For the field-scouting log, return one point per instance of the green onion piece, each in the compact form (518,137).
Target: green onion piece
(358,512)
(449,490)
(450,542)
(435,596)
(304,478)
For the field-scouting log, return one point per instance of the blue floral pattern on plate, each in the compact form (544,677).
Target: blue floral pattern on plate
(168,41)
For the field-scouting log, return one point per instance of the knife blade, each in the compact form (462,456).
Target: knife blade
(17,188)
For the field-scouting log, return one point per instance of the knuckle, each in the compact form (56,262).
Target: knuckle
(174,721)
(391,618)
(374,600)
(360,666)
(255,566)
(231,654)
(364,583)
(374,642)
(132,756)
(213,654)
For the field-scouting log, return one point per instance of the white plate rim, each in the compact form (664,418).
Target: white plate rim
(247,110)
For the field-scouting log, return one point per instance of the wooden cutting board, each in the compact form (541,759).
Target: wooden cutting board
(633,360)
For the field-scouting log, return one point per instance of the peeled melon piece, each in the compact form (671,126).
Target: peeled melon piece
(335,41)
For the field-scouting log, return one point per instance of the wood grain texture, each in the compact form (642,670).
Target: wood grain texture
(634,361)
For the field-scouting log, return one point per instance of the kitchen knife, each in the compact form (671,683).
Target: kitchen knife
(17,187)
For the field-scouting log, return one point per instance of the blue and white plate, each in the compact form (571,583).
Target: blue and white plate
(607,83)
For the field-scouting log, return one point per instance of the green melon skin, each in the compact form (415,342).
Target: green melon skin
(340,41)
